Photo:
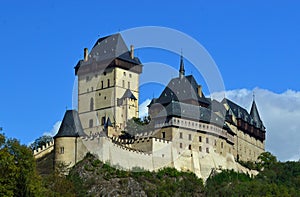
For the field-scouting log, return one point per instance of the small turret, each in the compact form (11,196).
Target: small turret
(181,70)
(255,115)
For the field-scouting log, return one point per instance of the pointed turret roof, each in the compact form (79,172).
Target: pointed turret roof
(255,115)
(70,126)
(128,94)
(108,123)
(181,69)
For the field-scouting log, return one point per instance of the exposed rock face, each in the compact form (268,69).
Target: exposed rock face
(97,179)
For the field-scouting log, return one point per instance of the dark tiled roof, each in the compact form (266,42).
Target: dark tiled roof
(192,112)
(70,126)
(128,94)
(239,111)
(255,115)
(243,114)
(181,89)
(111,47)
(218,107)
(108,123)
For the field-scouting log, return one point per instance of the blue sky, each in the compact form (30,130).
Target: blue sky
(255,45)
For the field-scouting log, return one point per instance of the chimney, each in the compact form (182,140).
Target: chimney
(199,89)
(86,54)
(131,52)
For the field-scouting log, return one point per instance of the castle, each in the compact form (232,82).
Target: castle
(190,131)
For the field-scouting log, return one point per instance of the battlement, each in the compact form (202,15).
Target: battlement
(44,150)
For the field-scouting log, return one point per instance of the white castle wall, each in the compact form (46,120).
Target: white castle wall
(40,152)
(164,154)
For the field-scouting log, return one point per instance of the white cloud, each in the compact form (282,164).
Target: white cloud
(280,114)
(54,129)
(143,109)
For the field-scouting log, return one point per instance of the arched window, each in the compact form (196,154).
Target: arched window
(91,104)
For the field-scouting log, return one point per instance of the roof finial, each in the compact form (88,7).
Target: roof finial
(181,70)
(253,96)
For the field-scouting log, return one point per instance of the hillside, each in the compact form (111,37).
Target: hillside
(91,177)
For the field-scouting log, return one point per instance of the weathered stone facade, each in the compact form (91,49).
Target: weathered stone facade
(191,132)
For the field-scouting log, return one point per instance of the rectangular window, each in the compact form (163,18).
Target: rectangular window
(62,150)
(101,84)
(190,136)
(103,120)
(200,139)
(180,135)
(207,150)
(221,144)
(190,147)
(207,140)
(128,85)
(215,142)
(163,135)
(123,84)
(180,145)
(200,148)
(91,123)
(108,83)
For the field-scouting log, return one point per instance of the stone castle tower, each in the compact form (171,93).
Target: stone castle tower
(190,132)
(108,85)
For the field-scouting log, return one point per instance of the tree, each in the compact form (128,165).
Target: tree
(40,142)
(18,175)
(137,125)
(266,160)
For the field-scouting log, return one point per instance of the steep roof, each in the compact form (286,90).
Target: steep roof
(70,126)
(107,49)
(128,94)
(108,123)
(181,89)
(111,47)
(238,111)
(243,114)
(255,115)
(218,107)
(192,112)
(181,69)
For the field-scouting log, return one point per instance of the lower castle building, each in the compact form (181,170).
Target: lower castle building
(189,131)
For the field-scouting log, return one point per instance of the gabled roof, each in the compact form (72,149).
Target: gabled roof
(238,111)
(241,113)
(181,89)
(128,94)
(111,47)
(70,126)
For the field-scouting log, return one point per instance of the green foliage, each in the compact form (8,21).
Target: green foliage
(40,142)
(18,175)
(275,179)
(266,160)
(136,125)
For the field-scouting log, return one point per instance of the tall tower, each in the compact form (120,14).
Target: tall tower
(108,85)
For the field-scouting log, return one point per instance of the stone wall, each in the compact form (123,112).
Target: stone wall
(44,150)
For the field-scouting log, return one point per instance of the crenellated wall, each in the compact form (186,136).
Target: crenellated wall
(40,152)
